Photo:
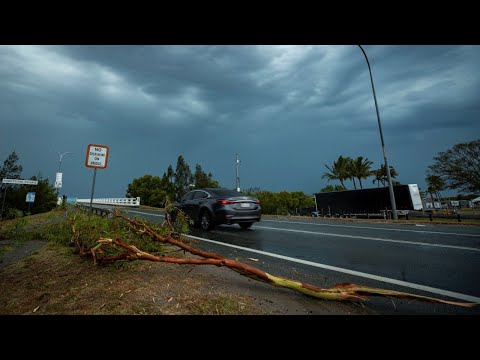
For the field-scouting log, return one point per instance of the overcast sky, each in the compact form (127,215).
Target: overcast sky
(286,110)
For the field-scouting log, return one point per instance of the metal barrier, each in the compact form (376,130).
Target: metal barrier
(113,201)
(95,210)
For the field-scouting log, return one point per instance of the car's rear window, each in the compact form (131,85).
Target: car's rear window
(225,193)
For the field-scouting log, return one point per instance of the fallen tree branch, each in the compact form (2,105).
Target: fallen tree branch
(339,292)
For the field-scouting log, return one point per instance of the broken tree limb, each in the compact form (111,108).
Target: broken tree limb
(339,292)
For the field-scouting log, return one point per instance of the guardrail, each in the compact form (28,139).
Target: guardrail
(95,210)
(113,201)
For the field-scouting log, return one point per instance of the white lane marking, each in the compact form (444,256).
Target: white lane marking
(352,272)
(370,238)
(420,225)
(348,236)
(372,228)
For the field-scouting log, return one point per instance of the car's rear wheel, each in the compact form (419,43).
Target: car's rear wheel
(245,225)
(206,222)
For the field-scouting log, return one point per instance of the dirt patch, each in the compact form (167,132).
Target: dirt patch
(18,252)
(55,281)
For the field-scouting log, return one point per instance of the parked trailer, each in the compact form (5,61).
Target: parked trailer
(369,201)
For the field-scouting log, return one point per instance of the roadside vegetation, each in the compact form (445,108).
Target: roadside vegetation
(13,196)
(55,280)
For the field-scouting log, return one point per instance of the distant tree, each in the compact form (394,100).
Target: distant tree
(200,177)
(282,203)
(360,168)
(435,184)
(465,197)
(182,177)
(202,180)
(459,167)
(10,169)
(211,182)
(339,170)
(168,183)
(381,175)
(171,174)
(45,197)
(253,191)
(150,189)
(330,188)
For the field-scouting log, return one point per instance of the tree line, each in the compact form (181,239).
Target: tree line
(281,203)
(154,190)
(458,168)
(13,196)
(346,168)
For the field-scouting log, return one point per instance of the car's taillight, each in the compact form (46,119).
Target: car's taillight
(257,201)
(225,202)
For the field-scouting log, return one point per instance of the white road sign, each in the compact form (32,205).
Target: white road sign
(30,197)
(97,156)
(20,181)
(58,180)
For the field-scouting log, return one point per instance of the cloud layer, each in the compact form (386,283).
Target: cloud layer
(286,110)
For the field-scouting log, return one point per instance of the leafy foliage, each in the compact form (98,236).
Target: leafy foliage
(459,167)
(330,188)
(346,168)
(360,169)
(151,190)
(281,203)
(45,198)
(340,170)
(182,177)
(10,169)
(381,175)
(156,191)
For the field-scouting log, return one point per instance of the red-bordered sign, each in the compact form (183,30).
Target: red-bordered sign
(97,156)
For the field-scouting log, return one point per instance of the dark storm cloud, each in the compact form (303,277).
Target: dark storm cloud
(287,110)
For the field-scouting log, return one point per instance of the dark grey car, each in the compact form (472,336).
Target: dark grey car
(209,207)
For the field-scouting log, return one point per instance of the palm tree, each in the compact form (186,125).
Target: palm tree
(360,169)
(339,170)
(381,174)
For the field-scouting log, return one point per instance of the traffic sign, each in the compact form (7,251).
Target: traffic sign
(30,197)
(97,156)
(20,181)
(58,181)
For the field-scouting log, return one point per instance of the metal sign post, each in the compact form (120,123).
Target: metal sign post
(93,189)
(30,199)
(15,181)
(97,158)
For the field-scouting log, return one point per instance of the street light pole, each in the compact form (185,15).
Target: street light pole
(60,163)
(390,186)
(237,178)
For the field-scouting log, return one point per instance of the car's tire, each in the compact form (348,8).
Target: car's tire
(245,225)
(206,222)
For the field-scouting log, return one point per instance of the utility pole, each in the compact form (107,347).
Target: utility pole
(59,166)
(389,178)
(237,177)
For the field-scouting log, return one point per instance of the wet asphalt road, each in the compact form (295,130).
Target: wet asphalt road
(433,260)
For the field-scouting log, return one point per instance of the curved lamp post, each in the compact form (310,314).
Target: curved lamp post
(390,186)
(60,162)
